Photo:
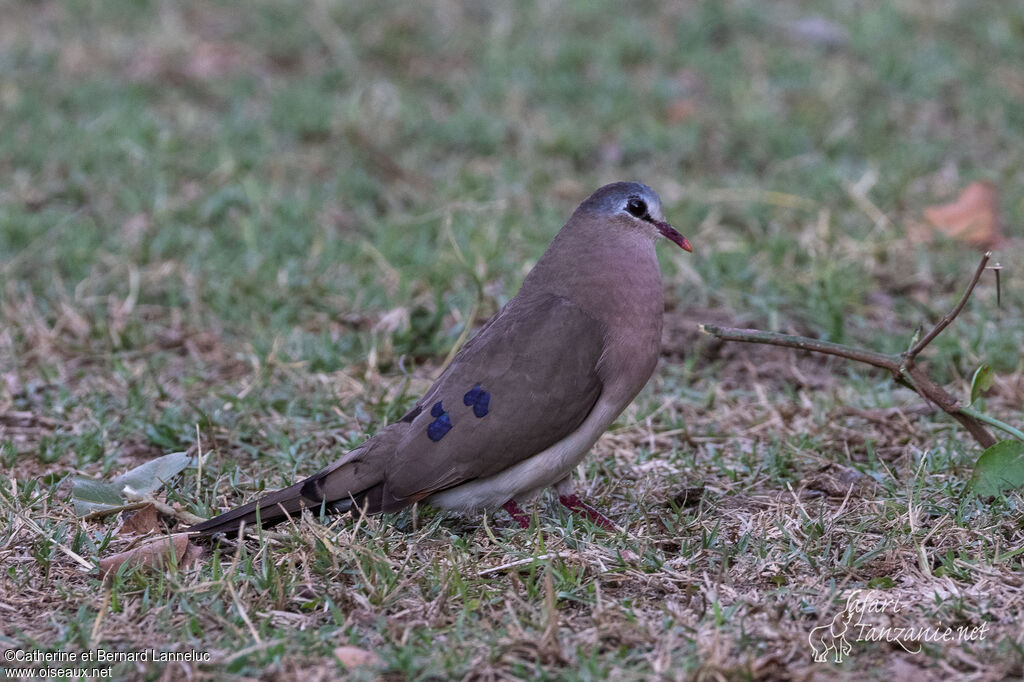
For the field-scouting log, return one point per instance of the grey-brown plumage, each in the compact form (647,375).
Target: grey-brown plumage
(525,399)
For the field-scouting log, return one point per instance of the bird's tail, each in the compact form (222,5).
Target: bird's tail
(266,511)
(354,482)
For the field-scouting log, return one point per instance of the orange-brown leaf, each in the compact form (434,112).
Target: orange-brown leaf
(681,110)
(972,218)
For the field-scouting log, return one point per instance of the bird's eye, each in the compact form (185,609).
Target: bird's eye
(636,207)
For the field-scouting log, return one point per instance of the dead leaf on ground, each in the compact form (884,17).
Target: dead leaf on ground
(681,110)
(145,520)
(353,656)
(972,218)
(153,554)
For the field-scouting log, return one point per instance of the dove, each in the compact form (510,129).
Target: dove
(525,399)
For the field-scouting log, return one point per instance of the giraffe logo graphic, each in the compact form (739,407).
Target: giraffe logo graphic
(831,638)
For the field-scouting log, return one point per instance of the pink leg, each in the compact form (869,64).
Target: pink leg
(517,514)
(577,505)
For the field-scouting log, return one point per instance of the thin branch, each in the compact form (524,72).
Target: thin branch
(927,388)
(950,316)
(868,357)
(901,366)
(912,377)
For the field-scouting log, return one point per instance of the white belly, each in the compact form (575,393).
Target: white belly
(531,475)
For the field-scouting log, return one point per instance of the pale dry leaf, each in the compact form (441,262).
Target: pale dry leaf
(91,495)
(973,218)
(153,554)
(353,656)
(396,319)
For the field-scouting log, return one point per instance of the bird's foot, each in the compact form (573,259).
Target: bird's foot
(577,505)
(517,513)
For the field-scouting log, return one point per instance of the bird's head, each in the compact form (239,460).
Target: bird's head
(632,204)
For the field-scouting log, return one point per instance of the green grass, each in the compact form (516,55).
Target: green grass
(243,219)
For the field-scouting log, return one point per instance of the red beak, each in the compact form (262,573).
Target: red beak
(673,235)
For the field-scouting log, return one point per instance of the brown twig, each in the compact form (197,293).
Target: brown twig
(901,366)
(868,357)
(950,316)
(928,389)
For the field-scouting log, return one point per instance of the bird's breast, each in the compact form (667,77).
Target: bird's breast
(631,307)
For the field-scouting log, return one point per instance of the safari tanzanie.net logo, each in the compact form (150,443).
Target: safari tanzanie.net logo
(867,618)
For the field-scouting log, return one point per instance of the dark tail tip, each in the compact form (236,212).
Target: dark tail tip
(270,510)
(267,511)
(231,521)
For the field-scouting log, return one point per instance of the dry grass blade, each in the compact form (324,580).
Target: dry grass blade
(948,318)
(526,562)
(35,528)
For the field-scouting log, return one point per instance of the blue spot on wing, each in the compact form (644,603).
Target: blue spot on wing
(472,395)
(437,410)
(479,399)
(439,427)
(482,404)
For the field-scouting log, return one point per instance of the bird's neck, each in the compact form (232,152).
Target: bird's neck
(614,278)
(617,282)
